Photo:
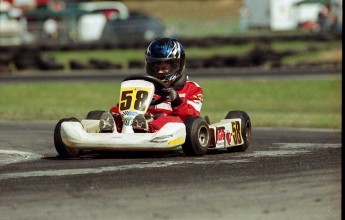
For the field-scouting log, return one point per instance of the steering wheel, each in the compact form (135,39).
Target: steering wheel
(159,86)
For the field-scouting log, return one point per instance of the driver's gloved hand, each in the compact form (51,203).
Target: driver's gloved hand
(172,96)
(148,117)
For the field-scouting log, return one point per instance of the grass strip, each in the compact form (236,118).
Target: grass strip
(274,103)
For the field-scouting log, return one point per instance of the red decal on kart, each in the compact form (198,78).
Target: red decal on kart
(228,137)
(220,134)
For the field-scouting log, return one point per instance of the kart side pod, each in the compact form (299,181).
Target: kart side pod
(233,132)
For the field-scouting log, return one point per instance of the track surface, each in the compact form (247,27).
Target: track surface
(285,174)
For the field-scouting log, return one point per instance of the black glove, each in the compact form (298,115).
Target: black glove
(172,96)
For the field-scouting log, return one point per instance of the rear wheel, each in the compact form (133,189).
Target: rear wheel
(197,137)
(246,128)
(64,150)
(95,114)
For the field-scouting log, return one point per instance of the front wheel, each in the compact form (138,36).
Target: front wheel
(63,150)
(197,137)
(246,128)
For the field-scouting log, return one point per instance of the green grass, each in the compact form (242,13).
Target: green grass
(295,103)
(277,103)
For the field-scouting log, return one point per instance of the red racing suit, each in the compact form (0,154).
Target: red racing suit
(191,96)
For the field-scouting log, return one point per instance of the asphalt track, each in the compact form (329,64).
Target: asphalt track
(285,174)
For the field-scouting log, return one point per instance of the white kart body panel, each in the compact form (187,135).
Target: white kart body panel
(226,133)
(132,92)
(86,136)
(76,136)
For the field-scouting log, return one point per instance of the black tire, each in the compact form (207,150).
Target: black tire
(246,128)
(197,137)
(96,115)
(63,150)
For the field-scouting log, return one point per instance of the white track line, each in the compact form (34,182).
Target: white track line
(96,170)
(14,156)
(278,150)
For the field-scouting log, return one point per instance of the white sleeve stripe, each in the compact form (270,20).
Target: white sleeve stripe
(196,105)
(165,106)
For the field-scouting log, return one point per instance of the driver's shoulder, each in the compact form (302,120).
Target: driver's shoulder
(192,84)
(190,89)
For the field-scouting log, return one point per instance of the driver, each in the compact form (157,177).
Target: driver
(165,60)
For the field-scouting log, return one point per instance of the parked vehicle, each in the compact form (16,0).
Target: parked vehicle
(10,27)
(110,9)
(284,15)
(66,21)
(113,23)
(93,22)
(137,28)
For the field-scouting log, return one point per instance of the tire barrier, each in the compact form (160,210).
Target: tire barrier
(77,65)
(36,61)
(5,62)
(29,57)
(187,42)
(103,64)
(254,58)
(136,64)
(93,64)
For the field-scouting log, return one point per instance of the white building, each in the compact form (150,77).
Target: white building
(280,15)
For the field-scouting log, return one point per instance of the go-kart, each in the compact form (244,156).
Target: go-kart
(196,135)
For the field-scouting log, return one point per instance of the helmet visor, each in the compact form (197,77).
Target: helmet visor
(162,68)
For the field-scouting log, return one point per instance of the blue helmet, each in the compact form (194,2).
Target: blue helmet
(166,49)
